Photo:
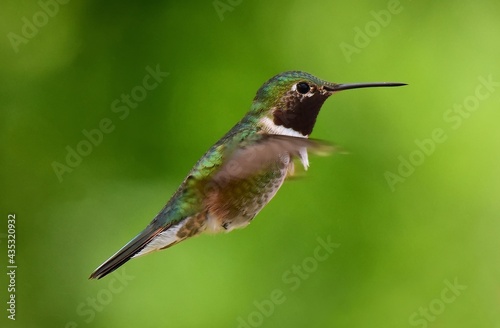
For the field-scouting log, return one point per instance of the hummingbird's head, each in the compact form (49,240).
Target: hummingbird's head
(292,100)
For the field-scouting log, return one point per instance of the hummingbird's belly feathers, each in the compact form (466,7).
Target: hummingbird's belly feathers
(237,202)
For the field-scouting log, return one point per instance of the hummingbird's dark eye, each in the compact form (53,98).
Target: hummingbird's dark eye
(303,87)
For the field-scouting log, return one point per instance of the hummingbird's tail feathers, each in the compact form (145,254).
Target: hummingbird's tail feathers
(150,239)
(164,239)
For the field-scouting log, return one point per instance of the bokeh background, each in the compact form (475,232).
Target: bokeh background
(415,247)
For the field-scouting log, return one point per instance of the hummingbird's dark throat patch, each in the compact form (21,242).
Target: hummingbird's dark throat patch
(298,113)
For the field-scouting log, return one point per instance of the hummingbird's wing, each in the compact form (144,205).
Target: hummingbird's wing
(253,157)
(250,176)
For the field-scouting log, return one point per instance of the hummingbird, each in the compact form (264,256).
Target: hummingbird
(242,172)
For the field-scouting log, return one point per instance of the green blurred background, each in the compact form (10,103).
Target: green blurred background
(401,244)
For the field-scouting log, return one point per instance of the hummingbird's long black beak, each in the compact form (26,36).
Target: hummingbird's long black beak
(346,86)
